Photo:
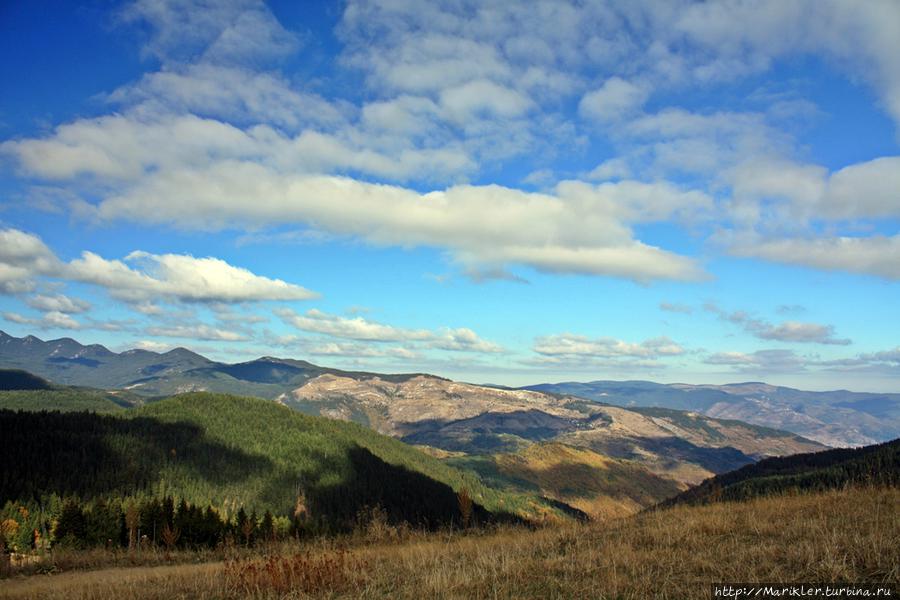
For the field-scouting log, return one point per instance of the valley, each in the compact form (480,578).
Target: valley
(504,435)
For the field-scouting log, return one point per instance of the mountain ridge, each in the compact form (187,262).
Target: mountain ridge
(510,434)
(834,417)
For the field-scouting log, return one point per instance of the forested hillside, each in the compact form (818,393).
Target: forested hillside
(17,379)
(21,390)
(871,465)
(233,452)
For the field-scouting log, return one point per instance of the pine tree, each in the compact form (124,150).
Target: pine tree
(71,529)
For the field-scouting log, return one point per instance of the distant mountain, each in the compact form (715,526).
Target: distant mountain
(877,465)
(515,437)
(837,418)
(518,436)
(154,374)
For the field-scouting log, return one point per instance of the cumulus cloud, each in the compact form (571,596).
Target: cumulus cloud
(58,303)
(343,349)
(49,320)
(760,361)
(868,189)
(23,257)
(141,278)
(355,328)
(887,356)
(787,331)
(462,339)
(179,277)
(452,90)
(359,328)
(229,93)
(218,32)
(613,100)
(747,37)
(149,346)
(197,332)
(808,333)
(580,229)
(875,255)
(568,344)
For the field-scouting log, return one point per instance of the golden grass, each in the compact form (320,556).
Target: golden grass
(602,487)
(847,536)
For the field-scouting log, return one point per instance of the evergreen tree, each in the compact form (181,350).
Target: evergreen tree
(71,528)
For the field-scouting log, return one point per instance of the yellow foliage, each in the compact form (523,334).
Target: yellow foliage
(9,528)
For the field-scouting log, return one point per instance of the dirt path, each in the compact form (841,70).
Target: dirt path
(80,583)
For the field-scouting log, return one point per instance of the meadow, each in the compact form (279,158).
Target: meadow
(845,535)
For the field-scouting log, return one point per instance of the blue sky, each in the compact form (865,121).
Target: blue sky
(496,192)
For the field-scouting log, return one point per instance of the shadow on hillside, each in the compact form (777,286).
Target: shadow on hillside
(404,495)
(484,433)
(673,450)
(87,454)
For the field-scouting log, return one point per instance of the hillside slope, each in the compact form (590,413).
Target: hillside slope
(837,536)
(231,452)
(683,447)
(836,418)
(21,390)
(877,465)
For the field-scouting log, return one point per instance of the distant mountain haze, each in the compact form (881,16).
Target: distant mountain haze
(837,418)
(615,459)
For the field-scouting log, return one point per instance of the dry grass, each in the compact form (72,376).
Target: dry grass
(847,535)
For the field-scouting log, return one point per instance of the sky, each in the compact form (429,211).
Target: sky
(498,192)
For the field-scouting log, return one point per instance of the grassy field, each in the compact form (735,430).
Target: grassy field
(837,536)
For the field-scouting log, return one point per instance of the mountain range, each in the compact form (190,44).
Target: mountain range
(834,418)
(594,456)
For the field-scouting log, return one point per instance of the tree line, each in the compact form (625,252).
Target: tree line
(135,523)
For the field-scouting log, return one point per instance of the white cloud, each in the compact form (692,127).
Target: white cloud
(809,333)
(760,361)
(614,168)
(150,346)
(142,278)
(582,229)
(356,350)
(355,328)
(876,255)
(462,339)
(219,32)
(230,93)
(568,344)
(179,277)
(49,320)
(739,37)
(454,89)
(23,257)
(359,328)
(197,332)
(885,356)
(787,331)
(613,100)
(868,189)
(58,303)
(484,97)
